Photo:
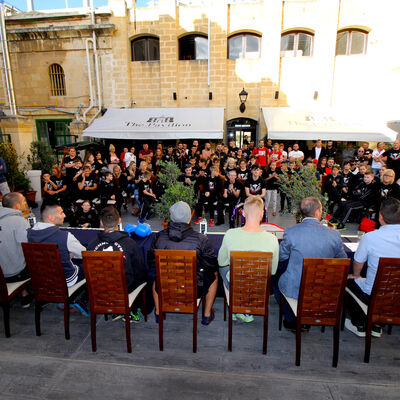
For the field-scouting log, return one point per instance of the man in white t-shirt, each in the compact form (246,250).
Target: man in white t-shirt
(296,153)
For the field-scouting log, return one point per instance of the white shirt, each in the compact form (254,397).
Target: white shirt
(296,154)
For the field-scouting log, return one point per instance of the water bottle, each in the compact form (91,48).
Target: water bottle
(203,226)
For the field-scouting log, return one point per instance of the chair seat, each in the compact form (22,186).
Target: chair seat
(132,296)
(74,288)
(292,303)
(12,287)
(362,305)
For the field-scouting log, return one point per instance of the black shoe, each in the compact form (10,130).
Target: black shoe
(341,226)
(292,326)
(219,223)
(26,301)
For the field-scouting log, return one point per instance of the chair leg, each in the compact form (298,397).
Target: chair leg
(336,331)
(128,332)
(144,304)
(229,328)
(160,330)
(66,320)
(225,307)
(93,330)
(203,306)
(265,333)
(38,309)
(105,317)
(6,314)
(298,342)
(344,311)
(322,328)
(368,341)
(281,304)
(389,330)
(195,330)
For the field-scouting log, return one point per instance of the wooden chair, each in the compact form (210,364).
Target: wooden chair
(384,305)
(48,280)
(108,292)
(249,287)
(7,292)
(320,299)
(177,287)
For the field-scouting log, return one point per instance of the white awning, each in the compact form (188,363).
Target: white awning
(158,123)
(329,124)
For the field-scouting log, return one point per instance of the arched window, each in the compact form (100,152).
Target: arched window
(351,41)
(193,47)
(244,45)
(145,48)
(57,80)
(297,44)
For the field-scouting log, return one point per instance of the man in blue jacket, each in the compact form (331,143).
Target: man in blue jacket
(309,239)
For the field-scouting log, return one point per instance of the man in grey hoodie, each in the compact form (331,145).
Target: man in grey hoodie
(13,228)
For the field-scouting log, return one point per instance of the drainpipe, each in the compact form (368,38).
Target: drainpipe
(96,65)
(29,5)
(208,41)
(6,62)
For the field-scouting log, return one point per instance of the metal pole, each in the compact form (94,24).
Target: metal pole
(29,5)
(6,62)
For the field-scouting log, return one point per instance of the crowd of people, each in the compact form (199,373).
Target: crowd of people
(223,177)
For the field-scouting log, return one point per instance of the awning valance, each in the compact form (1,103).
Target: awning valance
(158,123)
(329,124)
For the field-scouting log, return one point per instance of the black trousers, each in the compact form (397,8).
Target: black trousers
(147,202)
(345,209)
(358,318)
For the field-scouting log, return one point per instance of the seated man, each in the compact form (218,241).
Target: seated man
(364,195)
(111,239)
(250,237)
(309,239)
(181,236)
(13,227)
(383,242)
(69,246)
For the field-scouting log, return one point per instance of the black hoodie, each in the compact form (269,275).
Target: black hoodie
(181,236)
(135,271)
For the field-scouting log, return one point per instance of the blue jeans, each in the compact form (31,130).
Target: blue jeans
(223,271)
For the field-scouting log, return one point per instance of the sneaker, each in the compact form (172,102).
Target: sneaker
(72,309)
(147,217)
(357,330)
(234,317)
(376,331)
(341,226)
(116,317)
(211,223)
(81,307)
(197,221)
(141,220)
(245,317)
(207,320)
(333,221)
(133,317)
(26,301)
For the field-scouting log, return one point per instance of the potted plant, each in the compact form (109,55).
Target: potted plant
(299,185)
(174,191)
(41,157)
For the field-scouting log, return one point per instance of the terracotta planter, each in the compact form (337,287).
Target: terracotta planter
(30,196)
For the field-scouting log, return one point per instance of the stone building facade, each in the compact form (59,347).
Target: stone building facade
(296,53)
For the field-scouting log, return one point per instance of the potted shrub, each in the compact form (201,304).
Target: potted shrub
(174,191)
(300,185)
(42,157)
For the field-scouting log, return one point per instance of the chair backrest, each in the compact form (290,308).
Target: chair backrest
(249,282)
(3,287)
(176,280)
(322,286)
(385,296)
(47,273)
(276,230)
(106,282)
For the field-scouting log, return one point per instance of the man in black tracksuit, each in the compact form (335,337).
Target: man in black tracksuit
(111,239)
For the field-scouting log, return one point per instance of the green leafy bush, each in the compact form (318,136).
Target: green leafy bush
(174,190)
(300,185)
(42,156)
(15,177)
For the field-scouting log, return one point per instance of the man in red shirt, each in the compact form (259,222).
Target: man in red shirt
(276,155)
(145,153)
(262,154)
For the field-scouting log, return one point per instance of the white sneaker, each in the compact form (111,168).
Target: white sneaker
(355,329)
